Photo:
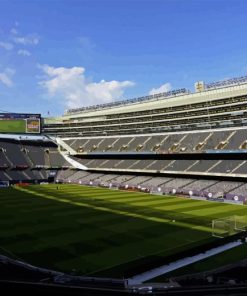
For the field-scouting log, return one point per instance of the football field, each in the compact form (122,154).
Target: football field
(100,231)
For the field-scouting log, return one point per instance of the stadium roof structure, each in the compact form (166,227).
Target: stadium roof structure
(160,96)
(214,105)
(134,100)
(211,94)
(227,82)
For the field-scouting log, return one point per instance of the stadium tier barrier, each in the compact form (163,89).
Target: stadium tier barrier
(22,184)
(214,141)
(4,184)
(194,194)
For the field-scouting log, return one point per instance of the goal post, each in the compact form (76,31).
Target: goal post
(240,223)
(223,227)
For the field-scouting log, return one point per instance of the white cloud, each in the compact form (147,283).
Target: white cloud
(24,52)
(10,71)
(75,90)
(27,40)
(6,45)
(163,88)
(14,31)
(5,77)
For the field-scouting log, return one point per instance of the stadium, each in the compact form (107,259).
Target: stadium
(134,196)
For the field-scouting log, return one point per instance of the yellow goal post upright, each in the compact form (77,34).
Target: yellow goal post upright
(223,227)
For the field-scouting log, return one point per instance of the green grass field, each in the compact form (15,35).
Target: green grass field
(13,126)
(101,231)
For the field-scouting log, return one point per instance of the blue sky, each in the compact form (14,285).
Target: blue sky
(56,55)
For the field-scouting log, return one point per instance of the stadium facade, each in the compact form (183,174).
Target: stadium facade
(187,143)
(211,106)
(177,142)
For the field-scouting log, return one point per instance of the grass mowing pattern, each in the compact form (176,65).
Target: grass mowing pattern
(95,229)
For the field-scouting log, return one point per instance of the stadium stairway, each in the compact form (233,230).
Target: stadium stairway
(9,161)
(67,147)
(73,162)
(27,157)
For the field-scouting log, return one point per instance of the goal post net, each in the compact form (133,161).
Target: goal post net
(240,223)
(228,226)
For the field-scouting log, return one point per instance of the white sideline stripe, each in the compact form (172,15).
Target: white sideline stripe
(140,278)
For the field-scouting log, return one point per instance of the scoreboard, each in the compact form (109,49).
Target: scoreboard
(20,123)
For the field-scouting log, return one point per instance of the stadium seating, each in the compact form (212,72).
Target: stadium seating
(166,140)
(28,160)
(183,142)
(167,184)
(209,167)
